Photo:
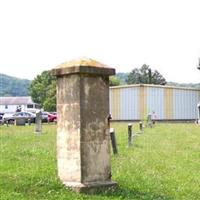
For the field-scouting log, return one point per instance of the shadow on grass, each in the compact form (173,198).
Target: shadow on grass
(133,194)
(52,188)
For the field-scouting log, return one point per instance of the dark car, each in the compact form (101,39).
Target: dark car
(1,118)
(45,116)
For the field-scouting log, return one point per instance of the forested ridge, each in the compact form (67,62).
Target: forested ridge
(12,86)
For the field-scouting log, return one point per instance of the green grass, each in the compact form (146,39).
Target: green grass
(163,163)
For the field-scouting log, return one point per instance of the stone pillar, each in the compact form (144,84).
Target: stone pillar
(83,141)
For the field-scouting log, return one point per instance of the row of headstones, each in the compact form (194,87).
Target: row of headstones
(131,134)
(22,122)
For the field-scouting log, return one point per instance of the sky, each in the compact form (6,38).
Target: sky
(38,35)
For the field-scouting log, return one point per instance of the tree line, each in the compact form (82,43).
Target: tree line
(43,88)
(142,75)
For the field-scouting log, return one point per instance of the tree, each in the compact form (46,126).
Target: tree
(198,67)
(146,76)
(122,76)
(114,81)
(43,91)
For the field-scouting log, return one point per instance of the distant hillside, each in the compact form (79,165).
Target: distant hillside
(122,77)
(189,85)
(12,86)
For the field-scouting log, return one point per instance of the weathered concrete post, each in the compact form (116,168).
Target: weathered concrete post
(38,122)
(113,141)
(149,120)
(198,106)
(129,135)
(83,139)
(141,127)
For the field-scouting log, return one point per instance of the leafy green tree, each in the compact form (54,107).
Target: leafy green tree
(43,91)
(114,81)
(145,75)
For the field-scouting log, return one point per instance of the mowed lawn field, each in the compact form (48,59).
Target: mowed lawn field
(163,163)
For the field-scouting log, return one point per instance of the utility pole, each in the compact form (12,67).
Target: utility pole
(150,76)
(198,67)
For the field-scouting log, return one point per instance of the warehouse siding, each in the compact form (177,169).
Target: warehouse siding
(199,97)
(155,101)
(142,102)
(115,104)
(169,103)
(184,104)
(129,103)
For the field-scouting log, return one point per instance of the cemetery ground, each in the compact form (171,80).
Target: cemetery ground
(162,163)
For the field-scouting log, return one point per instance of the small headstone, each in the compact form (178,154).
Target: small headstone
(20,121)
(141,127)
(149,121)
(29,122)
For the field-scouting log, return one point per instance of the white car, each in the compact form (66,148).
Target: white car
(10,117)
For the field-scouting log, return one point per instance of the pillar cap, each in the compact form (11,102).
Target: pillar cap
(83,66)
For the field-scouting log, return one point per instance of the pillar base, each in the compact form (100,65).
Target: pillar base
(91,187)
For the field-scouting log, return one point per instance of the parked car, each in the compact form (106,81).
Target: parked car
(45,116)
(7,116)
(10,117)
(1,118)
(52,117)
(54,113)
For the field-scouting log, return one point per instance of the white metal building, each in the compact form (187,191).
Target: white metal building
(134,102)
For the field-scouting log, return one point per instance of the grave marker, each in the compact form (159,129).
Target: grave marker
(38,122)
(149,120)
(141,127)
(83,138)
(198,107)
(129,135)
(113,141)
